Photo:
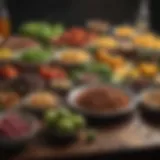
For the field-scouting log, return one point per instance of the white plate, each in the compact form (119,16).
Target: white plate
(72,96)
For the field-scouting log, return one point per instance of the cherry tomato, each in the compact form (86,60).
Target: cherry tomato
(50,73)
(9,72)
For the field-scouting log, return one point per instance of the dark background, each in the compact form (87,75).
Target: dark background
(76,12)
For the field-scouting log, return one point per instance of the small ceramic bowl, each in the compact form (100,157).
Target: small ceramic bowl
(28,66)
(57,59)
(54,138)
(98,26)
(62,91)
(74,94)
(25,105)
(149,110)
(147,54)
(20,142)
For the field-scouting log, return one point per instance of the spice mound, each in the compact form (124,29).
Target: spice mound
(103,98)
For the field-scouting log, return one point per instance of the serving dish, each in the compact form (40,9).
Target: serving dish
(62,126)
(84,56)
(74,94)
(20,142)
(38,110)
(149,106)
(31,59)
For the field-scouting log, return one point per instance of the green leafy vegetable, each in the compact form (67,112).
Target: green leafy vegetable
(41,30)
(64,121)
(51,118)
(79,121)
(65,125)
(35,55)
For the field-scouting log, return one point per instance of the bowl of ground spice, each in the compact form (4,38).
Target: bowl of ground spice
(101,100)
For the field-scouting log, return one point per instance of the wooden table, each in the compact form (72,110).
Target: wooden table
(133,135)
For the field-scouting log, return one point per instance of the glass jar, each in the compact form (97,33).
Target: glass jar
(4,21)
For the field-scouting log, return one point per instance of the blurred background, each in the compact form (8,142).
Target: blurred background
(140,13)
(72,12)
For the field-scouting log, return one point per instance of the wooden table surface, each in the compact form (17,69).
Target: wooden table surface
(133,135)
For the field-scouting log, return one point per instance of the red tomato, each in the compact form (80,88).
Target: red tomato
(79,36)
(9,72)
(50,73)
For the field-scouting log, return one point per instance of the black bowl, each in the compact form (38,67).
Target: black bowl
(150,116)
(54,138)
(105,117)
(149,112)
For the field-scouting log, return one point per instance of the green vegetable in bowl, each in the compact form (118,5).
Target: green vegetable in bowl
(63,112)
(35,55)
(65,125)
(45,32)
(51,118)
(64,121)
(101,70)
(41,30)
(78,121)
(29,29)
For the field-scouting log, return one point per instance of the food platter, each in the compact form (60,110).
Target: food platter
(83,86)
